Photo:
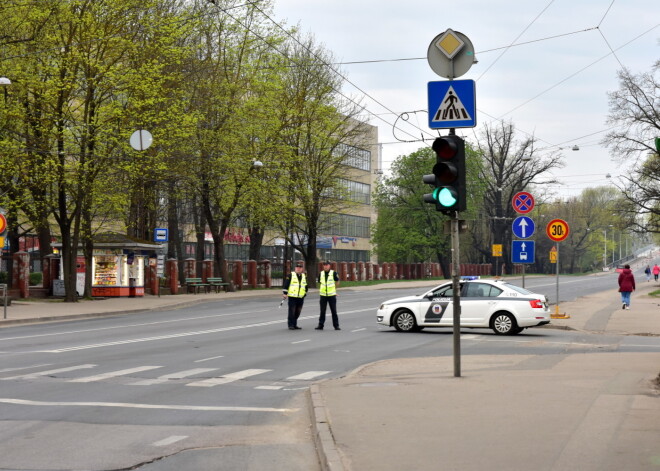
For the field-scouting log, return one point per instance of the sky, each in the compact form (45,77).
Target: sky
(554,87)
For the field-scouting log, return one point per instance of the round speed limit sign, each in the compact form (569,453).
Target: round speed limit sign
(557,230)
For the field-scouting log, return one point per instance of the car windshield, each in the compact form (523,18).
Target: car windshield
(517,288)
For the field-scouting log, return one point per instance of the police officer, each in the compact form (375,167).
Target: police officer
(328,282)
(295,288)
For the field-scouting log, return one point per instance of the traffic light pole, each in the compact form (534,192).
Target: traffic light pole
(456,300)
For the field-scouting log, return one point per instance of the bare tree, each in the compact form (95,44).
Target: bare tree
(509,166)
(635,112)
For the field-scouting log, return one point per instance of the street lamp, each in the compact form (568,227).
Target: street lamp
(605,247)
(4,82)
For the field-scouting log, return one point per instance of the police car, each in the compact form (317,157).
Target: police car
(494,304)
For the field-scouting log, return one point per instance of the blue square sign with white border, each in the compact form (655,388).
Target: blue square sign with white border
(522,251)
(452,104)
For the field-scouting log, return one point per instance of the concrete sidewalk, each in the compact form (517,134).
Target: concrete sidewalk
(593,411)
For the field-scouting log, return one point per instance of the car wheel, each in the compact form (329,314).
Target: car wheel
(404,321)
(504,323)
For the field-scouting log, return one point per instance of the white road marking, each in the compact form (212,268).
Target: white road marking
(24,402)
(228,378)
(170,440)
(113,374)
(300,341)
(51,372)
(272,388)
(168,377)
(7,370)
(133,325)
(182,334)
(207,359)
(358,330)
(308,375)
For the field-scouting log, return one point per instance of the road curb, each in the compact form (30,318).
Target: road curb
(326,448)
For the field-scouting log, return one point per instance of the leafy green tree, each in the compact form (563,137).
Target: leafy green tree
(410,230)
(318,131)
(72,83)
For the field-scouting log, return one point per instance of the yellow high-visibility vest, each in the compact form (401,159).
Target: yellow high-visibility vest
(328,287)
(297,289)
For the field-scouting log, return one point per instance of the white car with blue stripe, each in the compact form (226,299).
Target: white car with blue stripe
(493,304)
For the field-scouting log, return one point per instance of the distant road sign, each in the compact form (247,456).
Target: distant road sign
(522,202)
(3,223)
(497,250)
(557,230)
(553,255)
(452,104)
(523,227)
(161,234)
(522,251)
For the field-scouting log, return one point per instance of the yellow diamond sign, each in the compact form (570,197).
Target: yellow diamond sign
(449,44)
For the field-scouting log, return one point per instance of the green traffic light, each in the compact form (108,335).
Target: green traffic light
(446,197)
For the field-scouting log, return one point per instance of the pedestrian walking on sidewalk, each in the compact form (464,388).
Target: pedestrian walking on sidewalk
(295,288)
(328,282)
(647,272)
(656,272)
(626,286)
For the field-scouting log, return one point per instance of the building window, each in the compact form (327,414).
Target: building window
(346,225)
(354,156)
(356,191)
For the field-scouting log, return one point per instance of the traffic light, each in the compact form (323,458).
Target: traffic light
(448,177)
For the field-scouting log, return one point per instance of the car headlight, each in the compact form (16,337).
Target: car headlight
(382,306)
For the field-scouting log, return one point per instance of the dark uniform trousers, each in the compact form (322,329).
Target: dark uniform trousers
(332,301)
(295,308)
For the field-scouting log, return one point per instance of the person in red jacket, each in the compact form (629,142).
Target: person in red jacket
(626,286)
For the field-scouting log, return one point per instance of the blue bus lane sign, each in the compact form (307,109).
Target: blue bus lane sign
(522,251)
(523,227)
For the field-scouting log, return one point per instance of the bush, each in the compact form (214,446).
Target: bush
(4,277)
(36,278)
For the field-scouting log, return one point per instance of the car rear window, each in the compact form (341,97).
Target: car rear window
(517,288)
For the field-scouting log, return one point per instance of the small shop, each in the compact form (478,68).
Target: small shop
(117,274)
(119,264)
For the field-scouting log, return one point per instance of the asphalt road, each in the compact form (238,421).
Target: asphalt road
(216,386)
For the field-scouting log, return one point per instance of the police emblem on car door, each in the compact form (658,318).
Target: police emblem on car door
(436,310)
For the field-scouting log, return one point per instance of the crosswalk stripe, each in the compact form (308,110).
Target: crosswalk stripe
(113,374)
(271,388)
(308,375)
(6,370)
(228,378)
(50,372)
(170,440)
(166,378)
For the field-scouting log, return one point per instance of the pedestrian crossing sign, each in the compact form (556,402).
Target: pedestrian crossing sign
(452,104)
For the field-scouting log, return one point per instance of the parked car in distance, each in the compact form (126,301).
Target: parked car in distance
(505,308)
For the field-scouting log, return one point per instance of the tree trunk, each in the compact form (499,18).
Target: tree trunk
(256,241)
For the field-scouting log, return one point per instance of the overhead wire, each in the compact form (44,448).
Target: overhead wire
(338,73)
(517,37)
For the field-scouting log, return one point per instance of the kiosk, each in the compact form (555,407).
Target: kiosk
(118,265)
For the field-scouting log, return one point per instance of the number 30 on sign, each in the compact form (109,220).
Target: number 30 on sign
(557,230)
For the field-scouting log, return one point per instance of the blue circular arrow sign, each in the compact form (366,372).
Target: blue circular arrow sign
(523,227)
